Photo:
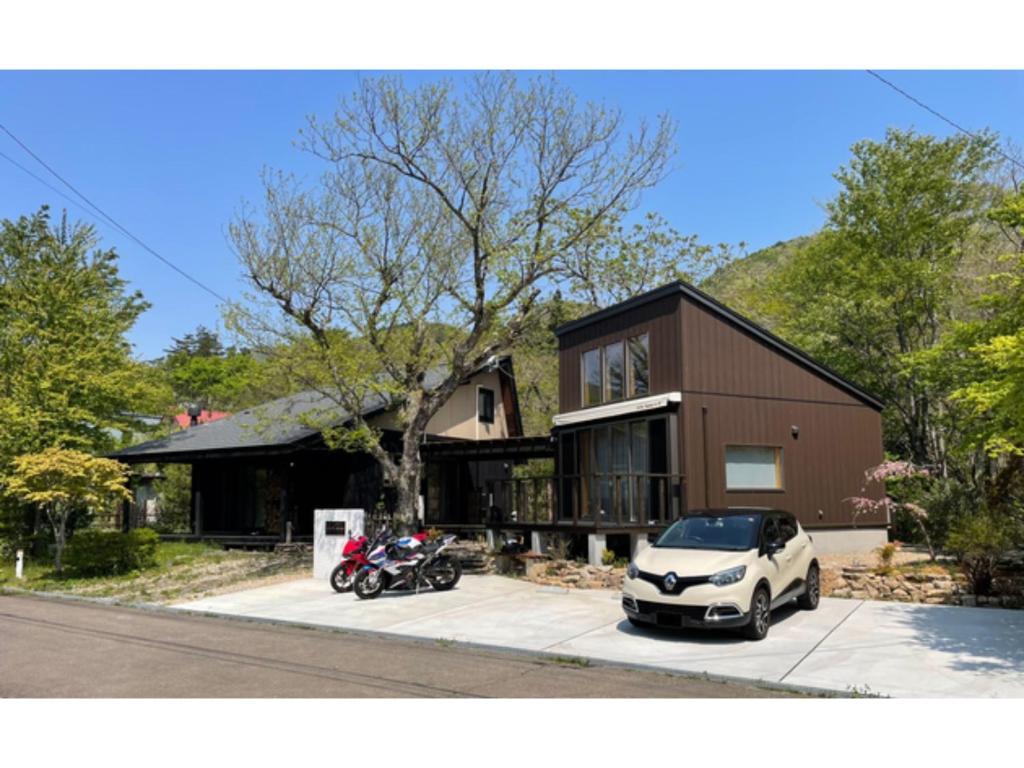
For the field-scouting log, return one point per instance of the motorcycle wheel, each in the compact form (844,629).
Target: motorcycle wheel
(445,573)
(342,578)
(369,584)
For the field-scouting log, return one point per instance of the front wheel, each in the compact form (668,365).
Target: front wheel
(808,601)
(444,574)
(760,615)
(342,577)
(369,584)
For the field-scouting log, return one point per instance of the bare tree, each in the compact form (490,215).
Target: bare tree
(427,244)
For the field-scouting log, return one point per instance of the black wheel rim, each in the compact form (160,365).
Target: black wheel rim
(813,586)
(761,613)
(443,574)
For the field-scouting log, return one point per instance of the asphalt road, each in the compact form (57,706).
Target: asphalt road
(54,648)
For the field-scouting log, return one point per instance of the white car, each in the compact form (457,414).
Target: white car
(723,568)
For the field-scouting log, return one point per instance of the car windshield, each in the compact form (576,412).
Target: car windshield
(734,533)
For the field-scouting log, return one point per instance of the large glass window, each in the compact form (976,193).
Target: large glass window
(615,372)
(753,468)
(592,377)
(639,366)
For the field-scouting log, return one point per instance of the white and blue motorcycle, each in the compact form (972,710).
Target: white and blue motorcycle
(408,563)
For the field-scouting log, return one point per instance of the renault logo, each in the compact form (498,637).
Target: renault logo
(669,581)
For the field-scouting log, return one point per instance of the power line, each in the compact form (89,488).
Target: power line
(104,214)
(939,115)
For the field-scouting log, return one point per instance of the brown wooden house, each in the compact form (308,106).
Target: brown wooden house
(672,401)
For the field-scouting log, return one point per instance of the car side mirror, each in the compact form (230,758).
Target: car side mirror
(774,547)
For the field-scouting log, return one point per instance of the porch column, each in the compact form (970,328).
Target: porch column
(597,543)
(638,542)
(492,539)
(537,542)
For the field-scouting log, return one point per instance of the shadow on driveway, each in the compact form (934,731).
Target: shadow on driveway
(984,640)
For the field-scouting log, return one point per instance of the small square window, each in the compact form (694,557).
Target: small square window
(753,468)
(485,405)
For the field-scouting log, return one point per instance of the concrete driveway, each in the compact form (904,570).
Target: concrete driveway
(893,649)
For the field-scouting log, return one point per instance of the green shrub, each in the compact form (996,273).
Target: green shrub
(142,546)
(978,542)
(607,557)
(102,553)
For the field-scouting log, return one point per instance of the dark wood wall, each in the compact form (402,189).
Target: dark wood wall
(660,319)
(724,359)
(821,468)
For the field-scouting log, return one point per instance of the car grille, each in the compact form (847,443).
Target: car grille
(671,615)
(682,582)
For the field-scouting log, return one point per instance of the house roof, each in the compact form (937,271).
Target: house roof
(714,306)
(275,427)
(277,424)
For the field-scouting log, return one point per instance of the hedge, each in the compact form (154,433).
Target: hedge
(102,553)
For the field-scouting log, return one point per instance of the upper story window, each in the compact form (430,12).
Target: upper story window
(615,371)
(485,405)
(592,377)
(639,366)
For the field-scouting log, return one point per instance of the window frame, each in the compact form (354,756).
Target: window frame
(583,376)
(630,371)
(606,379)
(481,413)
(780,476)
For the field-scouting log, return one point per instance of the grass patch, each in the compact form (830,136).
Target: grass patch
(183,571)
(570,661)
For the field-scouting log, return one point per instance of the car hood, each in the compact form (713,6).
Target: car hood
(690,562)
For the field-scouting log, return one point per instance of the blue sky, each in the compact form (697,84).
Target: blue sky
(172,154)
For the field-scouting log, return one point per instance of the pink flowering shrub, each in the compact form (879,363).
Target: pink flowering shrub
(883,473)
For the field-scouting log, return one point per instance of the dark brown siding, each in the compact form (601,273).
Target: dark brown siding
(660,319)
(821,468)
(722,359)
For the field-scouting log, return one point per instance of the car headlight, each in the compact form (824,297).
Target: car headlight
(632,571)
(730,576)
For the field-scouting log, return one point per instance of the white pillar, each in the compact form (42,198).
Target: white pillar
(596,545)
(638,542)
(537,542)
(491,540)
(19,567)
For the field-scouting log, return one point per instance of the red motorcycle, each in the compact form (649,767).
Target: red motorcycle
(353,558)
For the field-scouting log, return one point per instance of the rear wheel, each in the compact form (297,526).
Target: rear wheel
(342,577)
(760,615)
(369,584)
(812,594)
(444,573)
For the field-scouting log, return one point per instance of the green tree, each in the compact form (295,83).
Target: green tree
(67,377)
(874,292)
(986,358)
(201,371)
(60,481)
(615,262)
(438,209)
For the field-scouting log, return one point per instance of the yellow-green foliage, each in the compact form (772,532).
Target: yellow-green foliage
(60,479)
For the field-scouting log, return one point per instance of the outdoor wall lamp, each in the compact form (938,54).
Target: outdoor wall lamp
(794,431)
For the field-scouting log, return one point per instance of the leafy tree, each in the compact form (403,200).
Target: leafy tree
(873,293)
(67,377)
(615,262)
(437,209)
(986,358)
(60,481)
(202,372)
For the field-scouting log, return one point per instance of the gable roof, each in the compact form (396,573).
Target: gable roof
(733,317)
(274,425)
(277,426)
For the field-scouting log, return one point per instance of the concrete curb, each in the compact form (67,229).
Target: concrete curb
(540,656)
